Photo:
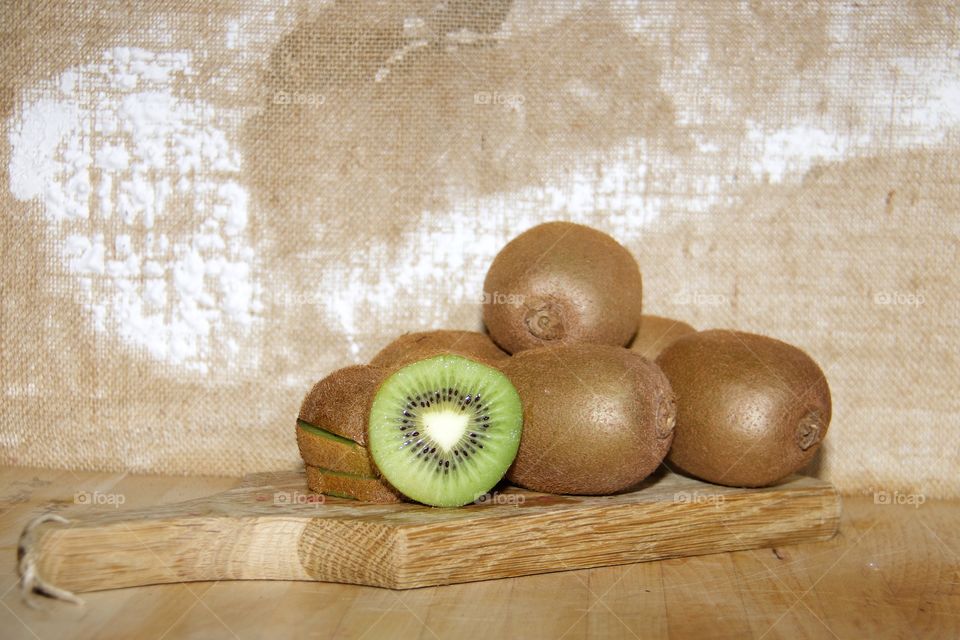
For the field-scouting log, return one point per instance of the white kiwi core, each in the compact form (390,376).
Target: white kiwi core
(445,426)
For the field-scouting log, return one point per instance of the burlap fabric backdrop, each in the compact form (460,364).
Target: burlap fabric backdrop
(208,206)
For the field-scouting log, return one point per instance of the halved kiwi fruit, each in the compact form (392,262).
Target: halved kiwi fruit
(321,448)
(597,419)
(348,485)
(751,410)
(562,283)
(341,401)
(411,347)
(444,430)
(656,333)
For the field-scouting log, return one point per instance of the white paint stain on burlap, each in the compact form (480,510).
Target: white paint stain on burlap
(140,189)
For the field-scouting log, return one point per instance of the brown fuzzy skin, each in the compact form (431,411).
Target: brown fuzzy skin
(340,403)
(751,410)
(562,283)
(411,347)
(596,419)
(335,456)
(656,333)
(366,489)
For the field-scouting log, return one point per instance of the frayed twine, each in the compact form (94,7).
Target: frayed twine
(30,581)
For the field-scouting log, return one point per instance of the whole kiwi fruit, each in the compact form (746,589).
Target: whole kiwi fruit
(656,333)
(562,283)
(596,419)
(751,410)
(411,347)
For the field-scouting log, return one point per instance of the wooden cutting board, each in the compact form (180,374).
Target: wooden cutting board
(272,528)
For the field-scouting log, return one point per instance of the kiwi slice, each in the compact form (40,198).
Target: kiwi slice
(751,410)
(444,430)
(656,333)
(411,347)
(596,419)
(562,283)
(340,402)
(349,485)
(320,448)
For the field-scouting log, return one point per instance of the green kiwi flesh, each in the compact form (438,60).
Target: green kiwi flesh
(351,486)
(320,448)
(751,410)
(444,430)
(411,347)
(656,333)
(562,283)
(597,419)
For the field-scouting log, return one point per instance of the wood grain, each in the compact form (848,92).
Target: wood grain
(271,528)
(891,572)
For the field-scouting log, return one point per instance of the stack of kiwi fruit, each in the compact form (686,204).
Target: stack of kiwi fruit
(571,391)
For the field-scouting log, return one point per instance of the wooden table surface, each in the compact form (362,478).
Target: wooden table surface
(892,572)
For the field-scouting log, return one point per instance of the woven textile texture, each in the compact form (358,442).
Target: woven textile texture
(207,206)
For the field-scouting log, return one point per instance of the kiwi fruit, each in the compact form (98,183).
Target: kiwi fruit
(339,403)
(656,333)
(349,485)
(321,448)
(751,410)
(562,283)
(596,419)
(411,347)
(444,430)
